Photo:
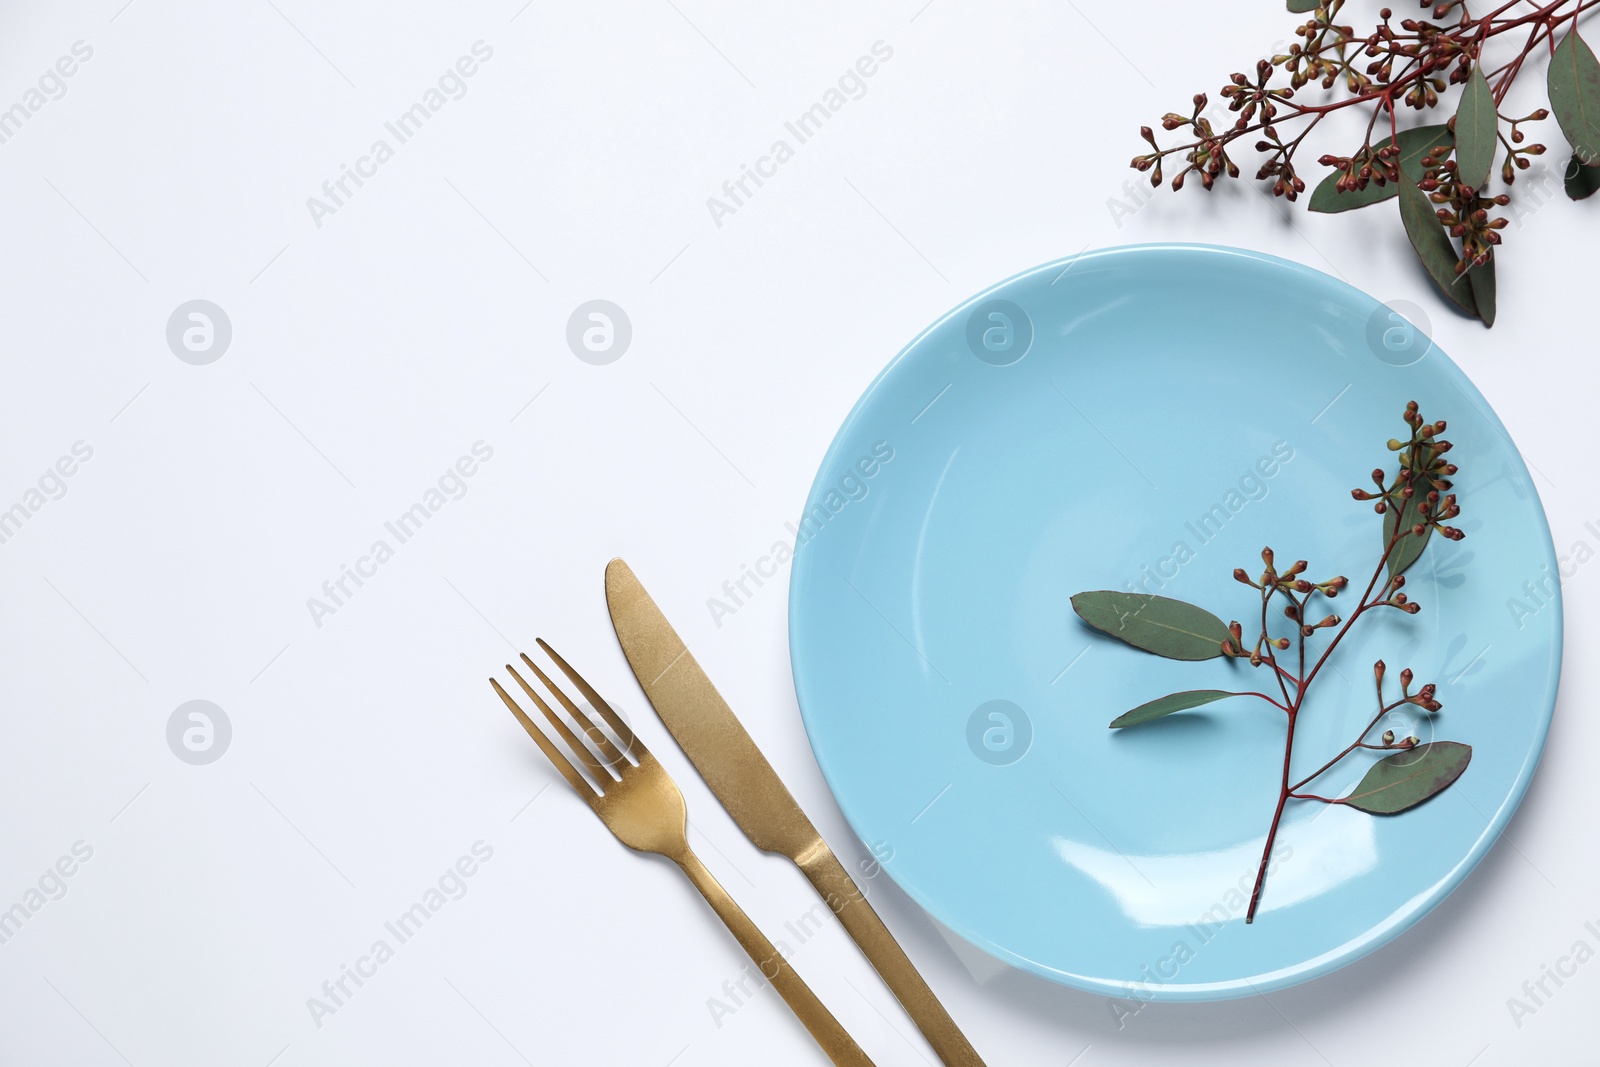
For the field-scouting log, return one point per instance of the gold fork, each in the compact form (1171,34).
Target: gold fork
(641,804)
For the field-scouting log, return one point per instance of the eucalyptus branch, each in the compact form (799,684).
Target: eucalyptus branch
(1415,501)
(1440,172)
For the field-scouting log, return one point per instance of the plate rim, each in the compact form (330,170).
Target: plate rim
(1355,949)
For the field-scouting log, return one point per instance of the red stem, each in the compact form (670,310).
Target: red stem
(1277,671)
(1385,96)
(1285,790)
(1357,743)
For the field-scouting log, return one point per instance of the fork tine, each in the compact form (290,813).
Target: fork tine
(632,743)
(574,743)
(608,750)
(568,771)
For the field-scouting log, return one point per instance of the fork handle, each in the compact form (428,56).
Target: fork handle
(835,1041)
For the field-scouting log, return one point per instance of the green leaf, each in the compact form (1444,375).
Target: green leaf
(1411,545)
(1581,181)
(1574,86)
(1168,704)
(1407,778)
(1156,624)
(1433,247)
(1414,144)
(1301,7)
(1477,125)
(1481,279)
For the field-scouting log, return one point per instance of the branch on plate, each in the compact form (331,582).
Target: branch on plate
(1415,501)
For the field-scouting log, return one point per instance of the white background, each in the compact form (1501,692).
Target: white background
(428,313)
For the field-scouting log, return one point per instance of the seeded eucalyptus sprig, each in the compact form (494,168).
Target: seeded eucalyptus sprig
(1415,501)
(1441,172)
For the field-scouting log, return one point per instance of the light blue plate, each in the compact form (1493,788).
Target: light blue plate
(1155,415)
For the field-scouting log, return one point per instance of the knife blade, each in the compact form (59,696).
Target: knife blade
(746,785)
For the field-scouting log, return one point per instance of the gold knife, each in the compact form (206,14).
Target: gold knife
(742,779)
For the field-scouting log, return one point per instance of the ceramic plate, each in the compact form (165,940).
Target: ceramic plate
(1149,418)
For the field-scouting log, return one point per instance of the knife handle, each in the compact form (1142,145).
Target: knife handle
(834,1039)
(845,898)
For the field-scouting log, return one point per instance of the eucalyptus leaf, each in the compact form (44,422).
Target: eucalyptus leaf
(1477,127)
(1168,704)
(1433,247)
(1481,279)
(1581,181)
(1574,86)
(1302,7)
(1411,545)
(1158,624)
(1407,778)
(1414,144)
